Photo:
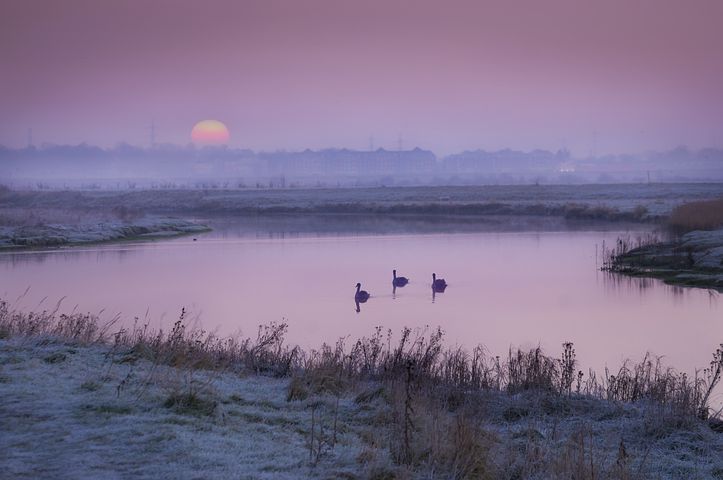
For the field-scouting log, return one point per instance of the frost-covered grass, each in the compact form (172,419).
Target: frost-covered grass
(94,414)
(81,400)
(74,411)
(694,259)
(40,233)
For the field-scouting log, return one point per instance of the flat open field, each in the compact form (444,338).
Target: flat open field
(593,201)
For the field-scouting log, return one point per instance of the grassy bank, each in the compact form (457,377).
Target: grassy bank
(35,230)
(185,403)
(694,257)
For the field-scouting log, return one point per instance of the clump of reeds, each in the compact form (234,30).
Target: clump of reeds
(700,215)
(619,257)
(648,380)
(76,327)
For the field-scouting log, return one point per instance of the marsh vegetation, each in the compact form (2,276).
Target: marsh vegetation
(402,405)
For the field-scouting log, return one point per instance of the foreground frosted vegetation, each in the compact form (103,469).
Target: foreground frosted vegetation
(84,400)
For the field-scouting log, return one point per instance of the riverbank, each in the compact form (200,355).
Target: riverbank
(79,402)
(42,218)
(695,259)
(40,234)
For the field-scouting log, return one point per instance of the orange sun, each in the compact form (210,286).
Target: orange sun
(210,132)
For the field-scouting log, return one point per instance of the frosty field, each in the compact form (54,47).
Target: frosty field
(69,410)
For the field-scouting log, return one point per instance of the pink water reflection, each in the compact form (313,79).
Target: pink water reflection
(504,289)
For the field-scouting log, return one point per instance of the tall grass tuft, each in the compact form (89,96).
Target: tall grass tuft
(701,215)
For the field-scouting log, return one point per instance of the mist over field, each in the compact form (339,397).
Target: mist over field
(168,166)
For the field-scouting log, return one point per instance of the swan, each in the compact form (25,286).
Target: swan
(361,296)
(438,284)
(399,281)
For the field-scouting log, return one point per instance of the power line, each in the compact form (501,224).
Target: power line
(594,144)
(153,133)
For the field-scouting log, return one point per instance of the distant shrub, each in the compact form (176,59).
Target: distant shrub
(126,214)
(640,211)
(576,211)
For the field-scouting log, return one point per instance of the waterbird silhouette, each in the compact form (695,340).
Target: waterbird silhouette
(438,284)
(399,281)
(361,296)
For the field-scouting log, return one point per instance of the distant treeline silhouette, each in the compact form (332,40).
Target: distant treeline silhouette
(345,167)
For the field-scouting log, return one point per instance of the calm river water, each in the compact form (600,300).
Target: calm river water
(505,289)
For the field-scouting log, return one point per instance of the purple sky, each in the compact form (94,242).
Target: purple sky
(445,75)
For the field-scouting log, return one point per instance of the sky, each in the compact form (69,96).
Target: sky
(593,76)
